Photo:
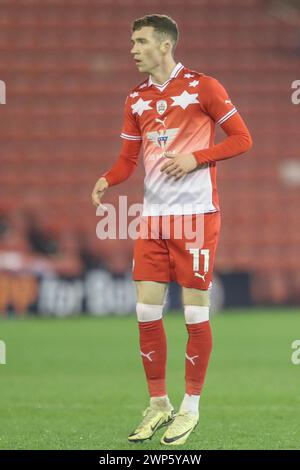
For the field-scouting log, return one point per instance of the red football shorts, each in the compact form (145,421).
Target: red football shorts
(177,248)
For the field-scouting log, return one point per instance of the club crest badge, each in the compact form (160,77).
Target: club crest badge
(161,107)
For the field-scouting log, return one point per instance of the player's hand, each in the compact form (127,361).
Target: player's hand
(98,191)
(179,164)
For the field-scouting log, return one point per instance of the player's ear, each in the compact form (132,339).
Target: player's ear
(166,46)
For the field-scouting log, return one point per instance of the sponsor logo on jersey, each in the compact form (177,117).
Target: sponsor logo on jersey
(162,138)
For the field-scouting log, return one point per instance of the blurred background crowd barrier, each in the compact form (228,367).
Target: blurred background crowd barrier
(67,69)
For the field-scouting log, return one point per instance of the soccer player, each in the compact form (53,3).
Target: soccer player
(173,114)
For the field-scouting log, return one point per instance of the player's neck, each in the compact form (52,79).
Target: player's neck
(161,74)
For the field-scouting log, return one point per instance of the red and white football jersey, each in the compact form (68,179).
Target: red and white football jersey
(178,116)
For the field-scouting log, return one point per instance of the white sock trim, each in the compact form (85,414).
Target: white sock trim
(161,402)
(190,403)
(146,312)
(195,314)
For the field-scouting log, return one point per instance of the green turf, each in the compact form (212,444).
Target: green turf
(78,383)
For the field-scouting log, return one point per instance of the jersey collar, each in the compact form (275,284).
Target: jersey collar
(178,67)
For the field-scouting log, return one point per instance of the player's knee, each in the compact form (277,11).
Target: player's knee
(195,297)
(147,298)
(147,312)
(195,314)
(150,292)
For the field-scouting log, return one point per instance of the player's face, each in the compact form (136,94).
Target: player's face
(146,49)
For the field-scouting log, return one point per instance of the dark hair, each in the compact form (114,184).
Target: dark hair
(162,24)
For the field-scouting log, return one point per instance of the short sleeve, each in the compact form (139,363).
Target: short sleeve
(130,129)
(215,100)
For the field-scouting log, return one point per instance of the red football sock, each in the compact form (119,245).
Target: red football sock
(154,354)
(198,351)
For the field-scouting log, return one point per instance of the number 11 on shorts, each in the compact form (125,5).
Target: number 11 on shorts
(196,252)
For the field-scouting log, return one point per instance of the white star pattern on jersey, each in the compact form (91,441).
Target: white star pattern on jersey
(143,86)
(140,106)
(194,83)
(185,99)
(188,75)
(134,94)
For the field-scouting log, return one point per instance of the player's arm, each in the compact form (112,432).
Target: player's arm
(238,141)
(127,161)
(218,106)
(121,170)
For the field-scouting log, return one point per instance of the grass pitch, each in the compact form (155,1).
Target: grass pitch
(78,383)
